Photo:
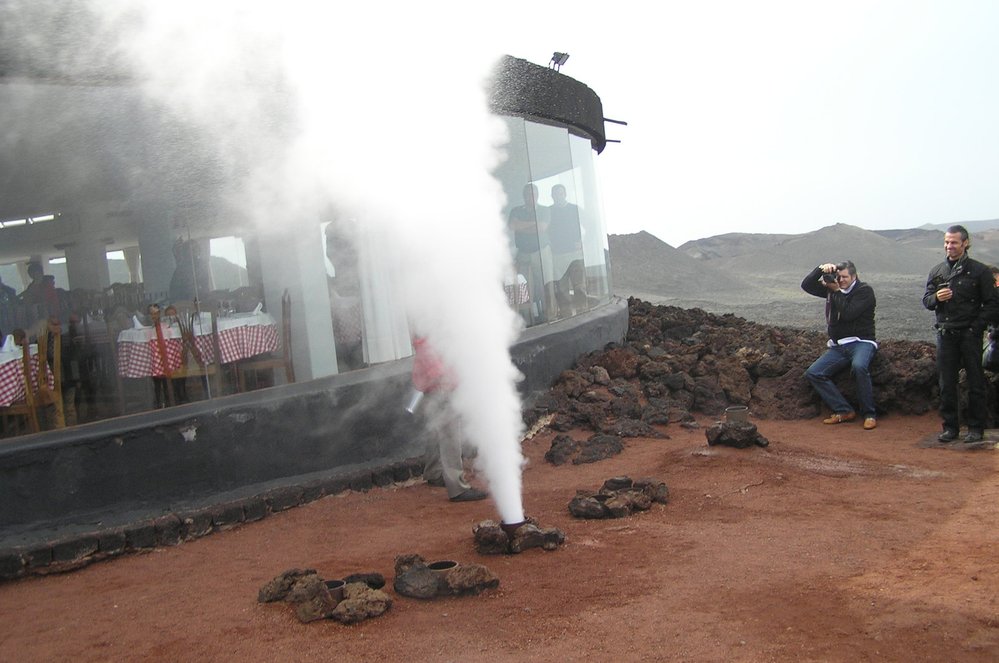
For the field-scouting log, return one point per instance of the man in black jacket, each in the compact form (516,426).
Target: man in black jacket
(850,307)
(962,293)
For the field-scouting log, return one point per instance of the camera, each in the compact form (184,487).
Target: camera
(941,282)
(830,277)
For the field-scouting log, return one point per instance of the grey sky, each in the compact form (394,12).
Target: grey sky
(786,116)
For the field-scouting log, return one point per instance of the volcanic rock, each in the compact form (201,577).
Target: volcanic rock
(372,580)
(598,447)
(739,435)
(310,599)
(414,578)
(418,582)
(529,535)
(600,375)
(469,579)
(405,562)
(360,602)
(618,497)
(490,539)
(617,483)
(632,428)
(278,588)
(657,491)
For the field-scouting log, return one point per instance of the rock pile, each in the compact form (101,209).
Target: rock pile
(618,497)
(739,435)
(310,598)
(598,447)
(415,578)
(491,539)
(676,362)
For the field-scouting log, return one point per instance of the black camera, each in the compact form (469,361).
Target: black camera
(941,282)
(829,277)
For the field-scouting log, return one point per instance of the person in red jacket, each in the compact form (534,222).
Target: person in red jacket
(442,463)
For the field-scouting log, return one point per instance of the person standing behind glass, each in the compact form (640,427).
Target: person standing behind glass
(40,294)
(962,293)
(567,253)
(529,224)
(850,305)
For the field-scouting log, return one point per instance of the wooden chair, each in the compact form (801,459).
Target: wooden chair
(193,363)
(37,393)
(283,359)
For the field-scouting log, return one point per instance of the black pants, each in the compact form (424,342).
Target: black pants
(957,349)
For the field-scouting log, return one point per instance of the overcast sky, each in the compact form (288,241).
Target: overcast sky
(784,117)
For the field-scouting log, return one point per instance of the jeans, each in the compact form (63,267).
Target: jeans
(959,348)
(857,356)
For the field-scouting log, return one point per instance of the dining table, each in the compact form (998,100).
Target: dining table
(240,336)
(517,292)
(12,378)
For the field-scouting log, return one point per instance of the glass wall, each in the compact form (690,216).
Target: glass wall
(556,230)
(158,303)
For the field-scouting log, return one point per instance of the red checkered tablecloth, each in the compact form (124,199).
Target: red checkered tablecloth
(517,293)
(240,337)
(239,343)
(11,382)
(142,359)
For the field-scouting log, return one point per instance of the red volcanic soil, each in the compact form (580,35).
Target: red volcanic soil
(831,544)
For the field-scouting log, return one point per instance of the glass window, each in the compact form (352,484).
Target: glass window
(593,229)
(557,233)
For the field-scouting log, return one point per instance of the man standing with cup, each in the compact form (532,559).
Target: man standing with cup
(962,293)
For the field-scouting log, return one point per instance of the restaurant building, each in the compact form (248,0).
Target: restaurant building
(189,354)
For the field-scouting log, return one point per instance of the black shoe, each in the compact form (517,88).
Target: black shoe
(439,482)
(973,436)
(470,495)
(949,435)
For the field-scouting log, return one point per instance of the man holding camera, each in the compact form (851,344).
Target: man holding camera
(962,293)
(850,307)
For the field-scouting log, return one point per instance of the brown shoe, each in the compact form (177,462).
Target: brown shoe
(840,417)
(870,423)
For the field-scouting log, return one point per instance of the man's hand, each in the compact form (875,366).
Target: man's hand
(944,293)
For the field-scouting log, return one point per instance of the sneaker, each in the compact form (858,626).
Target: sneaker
(973,436)
(870,423)
(470,495)
(949,435)
(840,417)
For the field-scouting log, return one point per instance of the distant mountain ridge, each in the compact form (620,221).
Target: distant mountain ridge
(758,275)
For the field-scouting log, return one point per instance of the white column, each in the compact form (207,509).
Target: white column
(294,261)
(87,265)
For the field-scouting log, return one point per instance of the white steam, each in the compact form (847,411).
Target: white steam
(326,107)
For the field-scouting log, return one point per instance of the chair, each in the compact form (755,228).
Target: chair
(284,359)
(37,393)
(129,295)
(245,299)
(193,363)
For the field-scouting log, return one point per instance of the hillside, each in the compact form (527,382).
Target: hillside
(758,276)
(650,265)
